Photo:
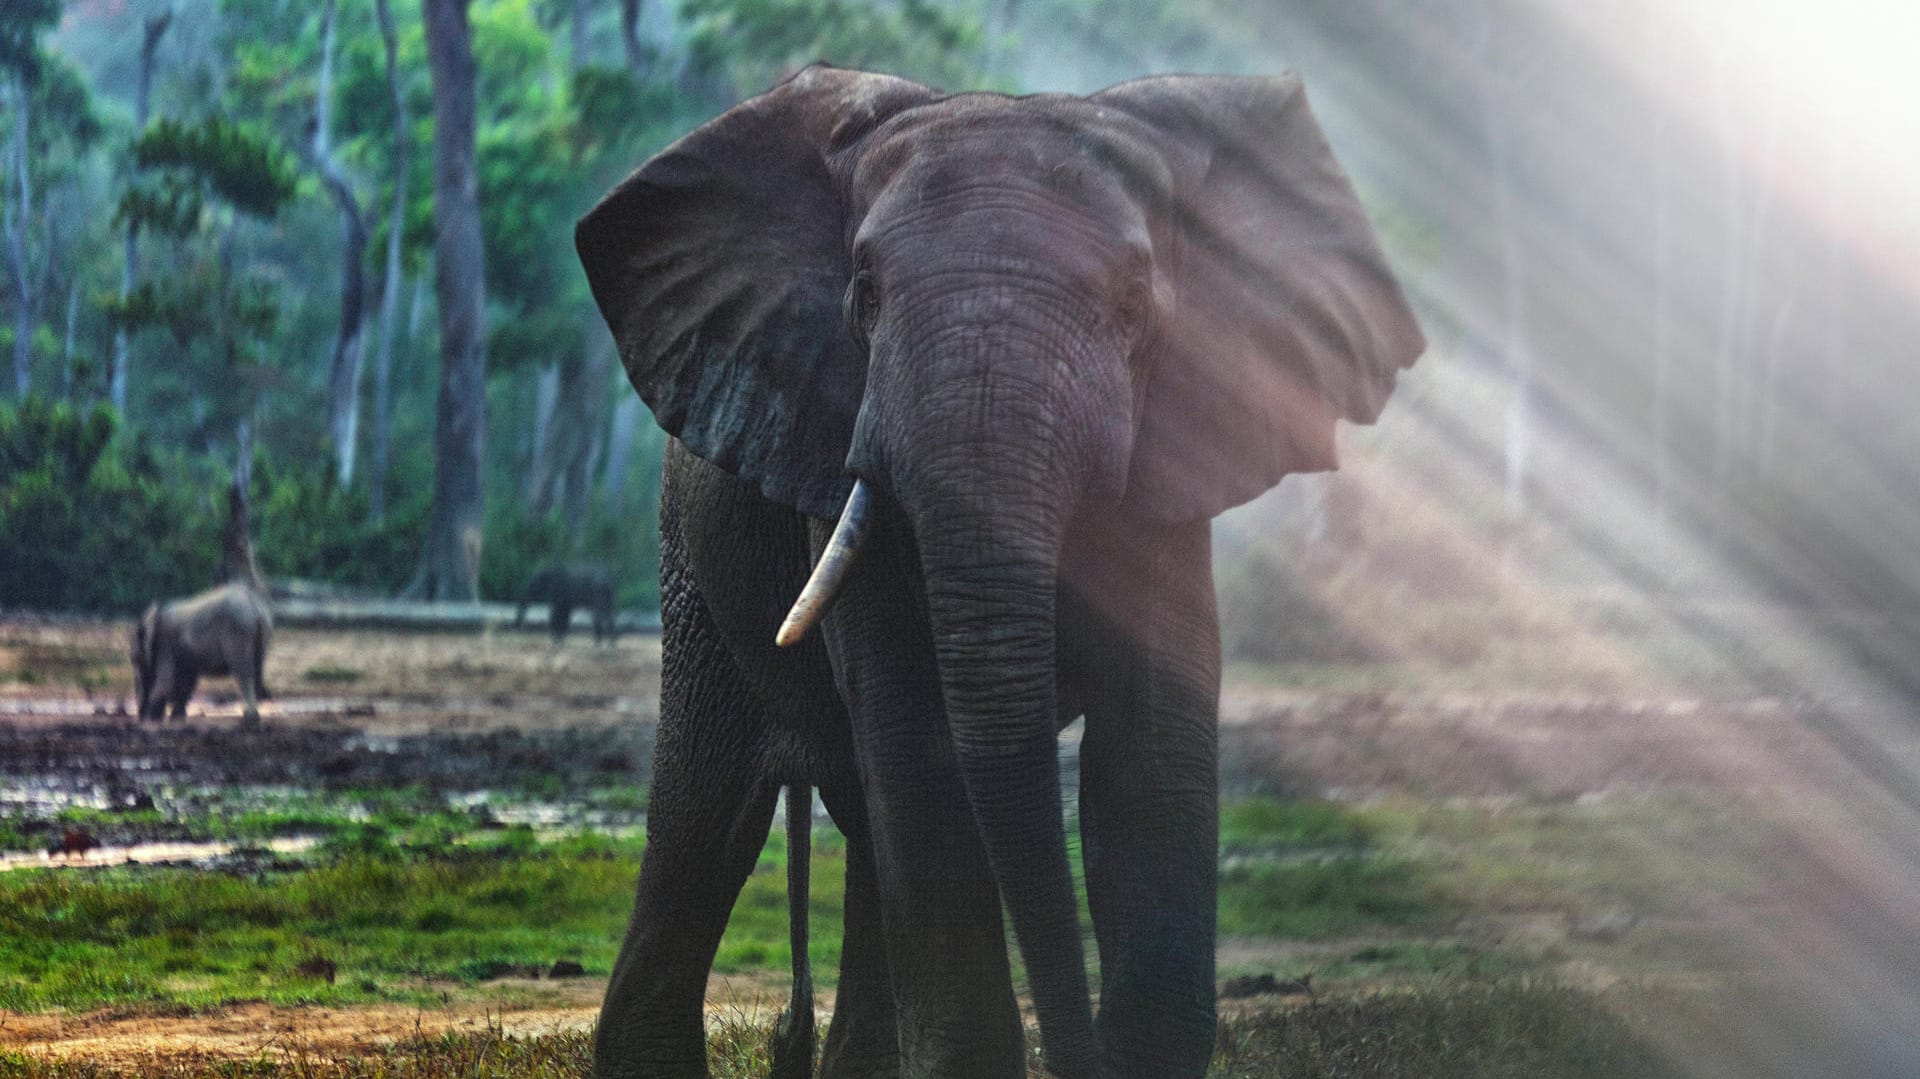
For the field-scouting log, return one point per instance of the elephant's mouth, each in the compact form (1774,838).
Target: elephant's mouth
(832,568)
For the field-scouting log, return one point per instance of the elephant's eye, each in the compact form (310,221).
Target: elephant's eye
(863,306)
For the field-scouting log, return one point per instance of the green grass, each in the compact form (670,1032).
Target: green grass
(1313,871)
(404,896)
(391,920)
(1509,1031)
(1268,823)
(180,936)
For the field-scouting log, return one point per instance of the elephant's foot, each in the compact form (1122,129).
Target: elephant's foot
(793,1045)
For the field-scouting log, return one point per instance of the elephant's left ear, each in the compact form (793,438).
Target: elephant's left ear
(1284,316)
(721,266)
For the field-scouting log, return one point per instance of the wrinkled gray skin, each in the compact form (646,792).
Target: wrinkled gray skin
(222,631)
(1056,336)
(567,588)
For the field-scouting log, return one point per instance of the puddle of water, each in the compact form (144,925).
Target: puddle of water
(147,853)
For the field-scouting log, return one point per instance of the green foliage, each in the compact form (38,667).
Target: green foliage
(238,162)
(753,42)
(21,24)
(94,520)
(91,522)
(308,526)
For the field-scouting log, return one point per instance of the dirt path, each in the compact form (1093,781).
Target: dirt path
(514,1007)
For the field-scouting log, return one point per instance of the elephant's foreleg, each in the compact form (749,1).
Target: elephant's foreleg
(862,1042)
(707,819)
(1148,664)
(185,679)
(946,950)
(244,661)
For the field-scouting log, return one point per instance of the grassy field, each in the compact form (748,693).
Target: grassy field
(1412,881)
(396,904)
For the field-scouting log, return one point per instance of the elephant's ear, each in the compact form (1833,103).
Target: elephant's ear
(1284,316)
(721,266)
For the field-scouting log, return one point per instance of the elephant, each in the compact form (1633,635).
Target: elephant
(990,365)
(563,588)
(224,630)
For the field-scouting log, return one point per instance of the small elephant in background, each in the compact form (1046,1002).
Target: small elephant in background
(564,588)
(224,630)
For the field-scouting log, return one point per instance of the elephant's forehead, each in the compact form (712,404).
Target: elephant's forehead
(1073,147)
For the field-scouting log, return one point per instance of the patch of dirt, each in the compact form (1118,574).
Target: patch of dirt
(514,1007)
(382,682)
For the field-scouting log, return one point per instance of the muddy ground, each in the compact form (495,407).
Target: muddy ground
(451,712)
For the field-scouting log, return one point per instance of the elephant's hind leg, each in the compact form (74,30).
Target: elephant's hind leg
(863,1040)
(707,819)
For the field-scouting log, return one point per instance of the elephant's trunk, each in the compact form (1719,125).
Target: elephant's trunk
(990,576)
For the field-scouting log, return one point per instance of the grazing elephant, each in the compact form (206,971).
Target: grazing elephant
(1023,349)
(224,630)
(564,588)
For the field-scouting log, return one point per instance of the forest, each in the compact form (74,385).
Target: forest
(1625,241)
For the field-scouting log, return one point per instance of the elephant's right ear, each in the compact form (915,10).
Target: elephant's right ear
(721,266)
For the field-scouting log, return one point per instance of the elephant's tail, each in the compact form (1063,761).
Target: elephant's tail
(793,1039)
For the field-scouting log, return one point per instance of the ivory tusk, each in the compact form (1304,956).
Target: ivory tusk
(832,568)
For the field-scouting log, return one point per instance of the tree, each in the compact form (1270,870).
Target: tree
(22,63)
(203,182)
(154,30)
(390,285)
(343,382)
(450,556)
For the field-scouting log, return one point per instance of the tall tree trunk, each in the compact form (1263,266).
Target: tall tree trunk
(573,437)
(450,556)
(343,379)
(569,434)
(613,480)
(66,349)
(19,219)
(377,449)
(580,42)
(546,394)
(130,266)
(630,37)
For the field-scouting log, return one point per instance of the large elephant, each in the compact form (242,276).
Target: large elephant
(223,630)
(1024,349)
(567,588)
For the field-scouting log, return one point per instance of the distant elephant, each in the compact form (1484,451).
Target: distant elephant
(1023,349)
(564,588)
(224,630)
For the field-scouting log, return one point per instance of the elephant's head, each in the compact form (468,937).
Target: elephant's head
(990,310)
